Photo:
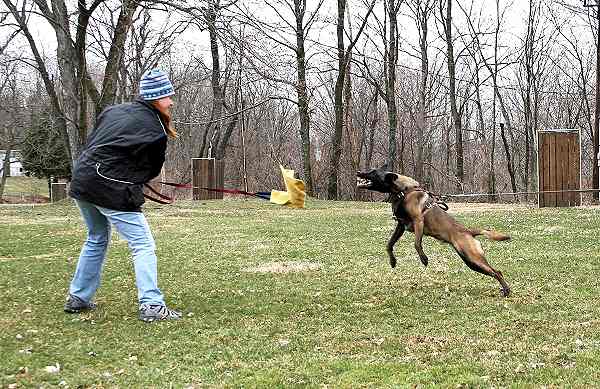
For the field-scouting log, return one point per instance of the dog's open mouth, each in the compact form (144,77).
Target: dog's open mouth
(363,183)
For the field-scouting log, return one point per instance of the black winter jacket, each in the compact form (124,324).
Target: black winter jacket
(125,150)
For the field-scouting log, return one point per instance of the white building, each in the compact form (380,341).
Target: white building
(16,168)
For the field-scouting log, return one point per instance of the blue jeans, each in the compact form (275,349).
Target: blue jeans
(131,226)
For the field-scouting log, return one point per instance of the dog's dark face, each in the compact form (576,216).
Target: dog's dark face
(374,179)
(381,180)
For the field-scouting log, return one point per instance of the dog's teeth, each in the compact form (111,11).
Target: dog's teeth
(362,181)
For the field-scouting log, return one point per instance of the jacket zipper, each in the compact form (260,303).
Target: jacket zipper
(108,178)
(161,124)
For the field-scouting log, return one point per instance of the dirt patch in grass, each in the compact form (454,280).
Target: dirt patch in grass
(283,267)
(24,199)
(39,256)
(480,207)
(37,220)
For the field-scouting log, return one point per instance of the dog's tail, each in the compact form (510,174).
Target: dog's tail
(493,235)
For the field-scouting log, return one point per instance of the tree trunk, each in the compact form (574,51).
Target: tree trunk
(595,168)
(343,59)
(533,136)
(372,127)
(353,148)
(511,171)
(68,63)
(301,90)
(214,124)
(492,153)
(57,111)
(5,170)
(221,143)
(527,98)
(479,108)
(456,121)
(336,139)
(392,111)
(115,56)
(422,115)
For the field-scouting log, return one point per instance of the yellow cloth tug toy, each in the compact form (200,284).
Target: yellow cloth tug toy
(294,195)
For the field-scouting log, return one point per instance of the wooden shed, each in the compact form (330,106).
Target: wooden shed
(207,173)
(559,167)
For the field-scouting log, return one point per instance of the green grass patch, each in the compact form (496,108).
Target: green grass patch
(26,185)
(257,315)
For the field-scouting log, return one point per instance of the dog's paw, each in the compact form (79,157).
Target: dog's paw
(424,260)
(393,262)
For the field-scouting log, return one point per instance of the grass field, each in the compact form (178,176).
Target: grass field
(276,297)
(26,185)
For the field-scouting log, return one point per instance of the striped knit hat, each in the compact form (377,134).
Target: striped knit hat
(155,85)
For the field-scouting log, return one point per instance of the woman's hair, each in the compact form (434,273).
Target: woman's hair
(165,117)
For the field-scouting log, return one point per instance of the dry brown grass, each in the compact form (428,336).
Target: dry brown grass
(283,267)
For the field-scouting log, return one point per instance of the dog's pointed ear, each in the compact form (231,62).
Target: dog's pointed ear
(383,167)
(390,177)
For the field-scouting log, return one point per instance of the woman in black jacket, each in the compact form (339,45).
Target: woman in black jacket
(125,150)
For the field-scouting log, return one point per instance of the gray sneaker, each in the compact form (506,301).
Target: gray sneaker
(154,312)
(75,305)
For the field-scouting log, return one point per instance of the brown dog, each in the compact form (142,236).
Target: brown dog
(416,209)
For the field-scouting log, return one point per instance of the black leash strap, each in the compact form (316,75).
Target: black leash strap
(162,199)
(442,205)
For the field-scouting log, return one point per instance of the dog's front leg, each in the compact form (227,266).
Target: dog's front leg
(418,227)
(393,239)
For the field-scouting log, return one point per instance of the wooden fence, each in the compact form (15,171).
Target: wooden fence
(559,167)
(207,173)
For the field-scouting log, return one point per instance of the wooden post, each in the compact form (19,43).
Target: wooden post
(207,173)
(58,191)
(559,167)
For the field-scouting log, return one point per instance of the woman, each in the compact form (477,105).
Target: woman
(125,150)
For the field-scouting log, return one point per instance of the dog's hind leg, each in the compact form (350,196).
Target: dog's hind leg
(418,229)
(472,254)
(393,239)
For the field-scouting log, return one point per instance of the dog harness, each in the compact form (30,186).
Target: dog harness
(432,201)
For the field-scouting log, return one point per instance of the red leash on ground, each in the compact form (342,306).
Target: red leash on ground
(164,199)
(161,199)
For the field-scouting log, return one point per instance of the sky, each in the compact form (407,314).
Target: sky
(194,42)
(42,31)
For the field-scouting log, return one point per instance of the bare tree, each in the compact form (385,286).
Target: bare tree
(493,70)
(11,113)
(75,81)
(344,56)
(390,38)
(147,45)
(213,127)
(22,19)
(280,35)
(575,64)
(210,15)
(391,60)
(422,11)
(456,119)
(534,65)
